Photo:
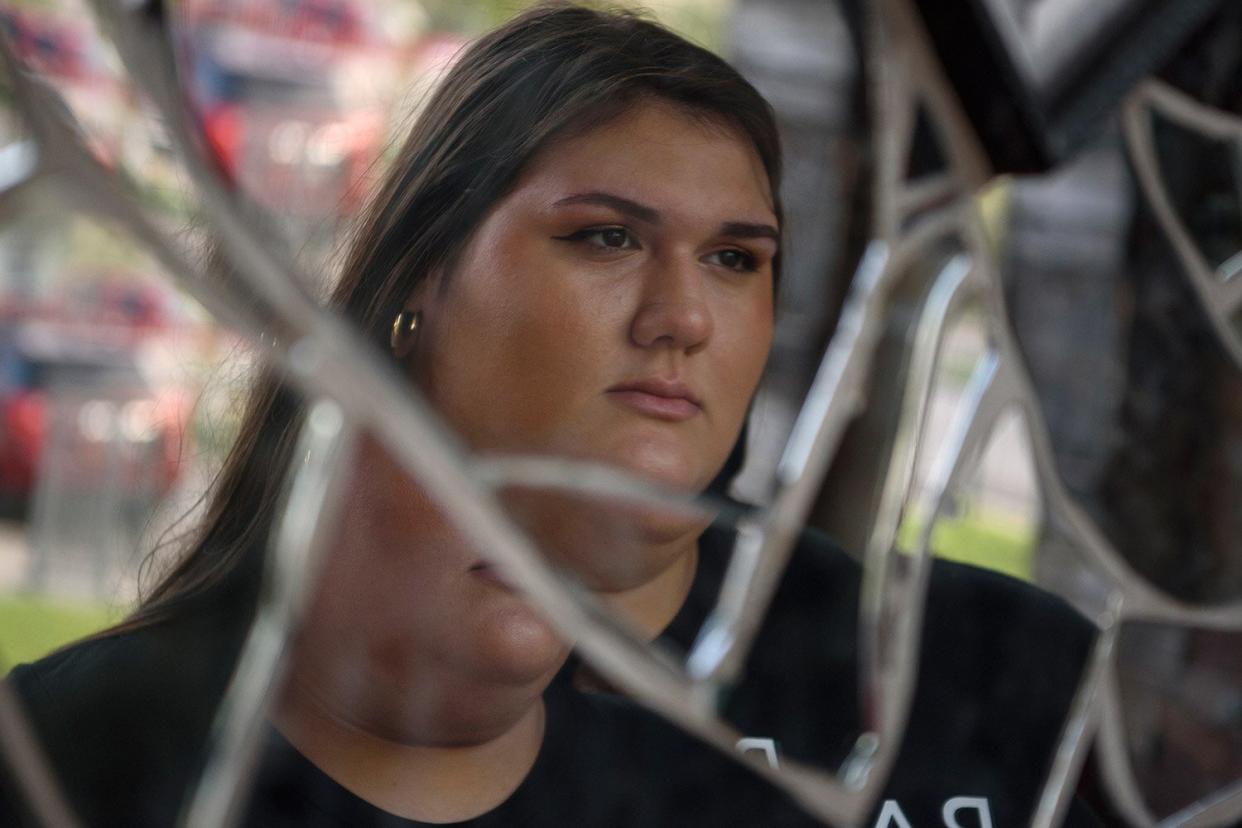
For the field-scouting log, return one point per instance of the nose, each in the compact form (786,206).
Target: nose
(673,311)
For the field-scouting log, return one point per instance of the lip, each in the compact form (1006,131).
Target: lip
(663,399)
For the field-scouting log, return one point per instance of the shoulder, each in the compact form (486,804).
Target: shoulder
(999,668)
(972,618)
(123,718)
(139,674)
(999,665)
(1002,638)
(978,626)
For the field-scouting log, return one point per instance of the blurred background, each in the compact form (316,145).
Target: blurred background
(119,396)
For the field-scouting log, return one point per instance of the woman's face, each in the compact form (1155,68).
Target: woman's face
(615,306)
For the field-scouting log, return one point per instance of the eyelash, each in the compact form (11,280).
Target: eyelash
(747,264)
(587,232)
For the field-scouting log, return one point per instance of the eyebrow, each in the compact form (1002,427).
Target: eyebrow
(642,212)
(744,230)
(649,215)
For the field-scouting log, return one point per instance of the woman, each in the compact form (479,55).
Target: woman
(574,254)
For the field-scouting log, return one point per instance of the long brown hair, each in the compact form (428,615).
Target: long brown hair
(550,71)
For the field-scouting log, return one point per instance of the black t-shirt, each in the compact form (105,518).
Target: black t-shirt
(125,718)
(1000,663)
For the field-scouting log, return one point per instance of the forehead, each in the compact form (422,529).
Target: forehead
(658,154)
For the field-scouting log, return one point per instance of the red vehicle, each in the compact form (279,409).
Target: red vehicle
(287,142)
(261,75)
(91,407)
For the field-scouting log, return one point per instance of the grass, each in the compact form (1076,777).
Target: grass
(32,626)
(988,540)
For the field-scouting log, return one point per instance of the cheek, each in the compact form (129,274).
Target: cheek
(517,352)
(744,339)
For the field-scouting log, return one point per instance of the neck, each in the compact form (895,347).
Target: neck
(436,784)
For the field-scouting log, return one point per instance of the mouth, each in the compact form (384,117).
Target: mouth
(663,399)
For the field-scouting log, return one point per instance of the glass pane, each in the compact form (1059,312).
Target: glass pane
(1140,411)
(415,643)
(1206,195)
(1182,712)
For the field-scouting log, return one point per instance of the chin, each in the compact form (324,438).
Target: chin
(605,546)
(639,548)
(662,465)
(655,525)
(513,645)
(498,666)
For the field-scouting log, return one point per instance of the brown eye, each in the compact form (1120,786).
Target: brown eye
(606,238)
(614,237)
(734,259)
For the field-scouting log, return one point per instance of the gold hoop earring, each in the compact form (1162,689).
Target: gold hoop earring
(404,326)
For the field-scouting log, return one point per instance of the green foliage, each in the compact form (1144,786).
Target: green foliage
(473,17)
(990,543)
(31,627)
(979,538)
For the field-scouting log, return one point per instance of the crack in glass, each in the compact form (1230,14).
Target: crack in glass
(331,365)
